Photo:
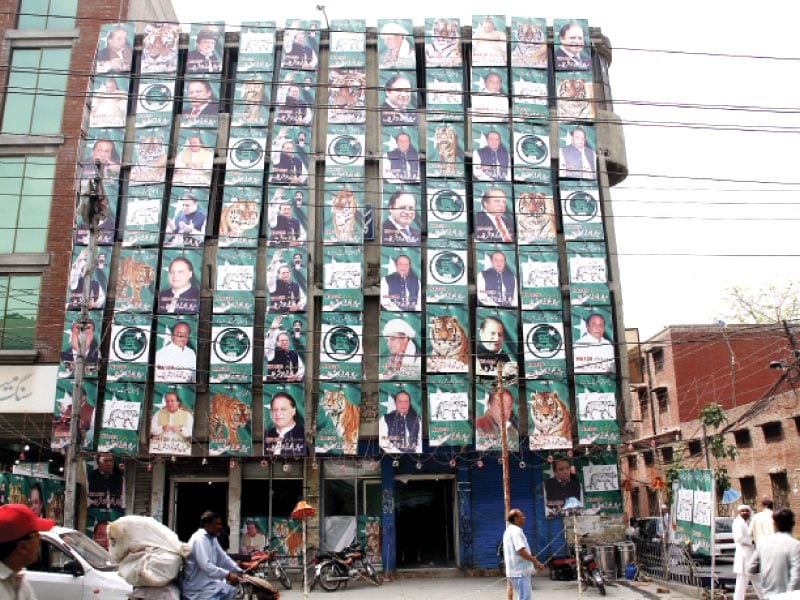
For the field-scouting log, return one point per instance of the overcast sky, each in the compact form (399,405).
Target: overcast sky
(713,196)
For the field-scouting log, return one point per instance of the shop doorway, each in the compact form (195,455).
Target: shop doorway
(424,522)
(191,499)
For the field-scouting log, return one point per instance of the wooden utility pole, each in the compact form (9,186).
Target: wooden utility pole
(501,396)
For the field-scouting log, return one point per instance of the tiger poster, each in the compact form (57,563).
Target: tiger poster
(251,99)
(535,215)
(400,417)
(123,405)
(338,416)
(287,540)
(230,422)
(172,422)
(540,280)
(160,48)
(532,154)
(149,159)
(347,95)
(496,410)
(369,533)
(130,347)
(595,396)
(235,281)
(448,344)
(529,43)
(342,214)
(550,425)
(448,411)
(574,95)
(257,47)
(446,209)
(544,344)
(136,280)
(445,149)
(588,274)
(341,352)
(231,359)
(240,216)
(447,269)
(284,419)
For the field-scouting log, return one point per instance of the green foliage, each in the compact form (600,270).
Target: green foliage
(765,304)
(712,416)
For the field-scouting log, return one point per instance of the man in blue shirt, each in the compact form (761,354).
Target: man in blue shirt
(209,571)
(517,555)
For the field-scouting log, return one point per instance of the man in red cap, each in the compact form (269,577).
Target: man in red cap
(19,547)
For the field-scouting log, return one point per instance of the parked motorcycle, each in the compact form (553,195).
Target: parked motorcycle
(264,564)
(589,573)
(332,569)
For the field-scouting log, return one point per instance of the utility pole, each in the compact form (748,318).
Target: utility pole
(92,206)
(500,391)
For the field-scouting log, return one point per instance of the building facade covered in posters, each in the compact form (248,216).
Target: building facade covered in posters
(321,243)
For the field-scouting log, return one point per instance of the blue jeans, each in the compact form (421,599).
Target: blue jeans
(522,587)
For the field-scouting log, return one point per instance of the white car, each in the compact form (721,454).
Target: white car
(72,566)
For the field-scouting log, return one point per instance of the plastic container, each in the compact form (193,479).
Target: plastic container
(606,560)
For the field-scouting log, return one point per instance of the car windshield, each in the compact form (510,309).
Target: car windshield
(723,525)
(97,556)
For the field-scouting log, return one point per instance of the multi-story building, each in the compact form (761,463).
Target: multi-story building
(321,243)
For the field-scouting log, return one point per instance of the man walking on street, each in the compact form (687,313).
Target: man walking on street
(777,558)
(517,555)
(761,525)
(744,550)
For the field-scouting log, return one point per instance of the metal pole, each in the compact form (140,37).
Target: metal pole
(499,390)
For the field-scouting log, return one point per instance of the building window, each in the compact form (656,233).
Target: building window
(658,360)
(19,301)
(667,455)
(648,458)
(632,462)
(695,447)
(25,202)
(773,432)
(37,85)
(748,487)
(47,14)
(780,488)
(663,399)
(742,438)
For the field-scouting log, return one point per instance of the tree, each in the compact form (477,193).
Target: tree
(768,304)
(712,416)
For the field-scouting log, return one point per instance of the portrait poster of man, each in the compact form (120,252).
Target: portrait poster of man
(342,276)
(345,151)
(444,95)
(300,139)
(98,282)
(136,280)
(593,339)
(338,416)
(105,494)
(529,43)
(529,94)
(496,281)
(176,350)
(149,159)
(284,419)
(62,413)
(109,104)
(400,417)
(442,42)
(540,282)
(172,420)
(257,47)
(549,414)
(493,213)
(562,483)
(106,227)
(399,98)
(596,408)
(252,537)
(544,344)
(114,48)
(285,284)
(122,411)
(230,420)
(489,44)
(297,326)
(232,338)
(160,48)
(294,100)
(235,281)
(581,211)
(247,155)
(446,209)
(401,285)
(401,161)
(200,106)
(281,361)
(240,217)
(194,160)
(141,222)
(348,43)
(490,99)
(575,95)
(206,42)
(449,421)
(72,343)
(252,94)
(130,347)
(445,149)
(572,43)
(495,341)
(588,274)
(347,95)
(287,216)
(535,215)
(396,44)
(180,281)
(342,220)
(402,211)
(447,272)
(301,45)
(341,353)
(496,410)
(400,347)
(448,343)
(104,145)
(491,159)
(154,100)
(577,158)
(187,217)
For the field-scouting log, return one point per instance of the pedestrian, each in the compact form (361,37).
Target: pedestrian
(19,547)
(517,555)
(777,557)
(744,550)
(761,525)
(209,571)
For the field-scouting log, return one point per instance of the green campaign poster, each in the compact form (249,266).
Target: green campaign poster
(489,45)
(286,281)
(448,344)
(149,157)
(252,92)
(442,42)
(301,45)
(401,286)
(369,533)
(549,409)
(400,162)
(342,214)
(287,540)
(284,419)
(338,416)
(129,349)
(445,149)
(247,153)
(347,95)
(348,43)
(448,411)
(400,417)
(180,282)
(529,42)
(577,157)
(496,341)
(186,221)
(252,536)
(496,410)
(287,218)
(446,209)
(342,272)
(235,282)
(396,44)
(105,494)
(109,104)
(581,211)
(593,339)
(176,349)
(98,280)
(142,220)
(532,158)
(574,95)
(400,344)
(536,215)
(588,274)
(136,280)
(173,419)
(694,509)
(123,405)
(447,272)
(596,407)
(256,47)
(194,158)
(601,493)
(230,420)
(285,347)
(529,94)
(496,275)
(62,413)
(539,277)
(200,102)
(341,351)
(231,358)
(543,337)
(345,150)
(71,344)
(444,95)
(155,97)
